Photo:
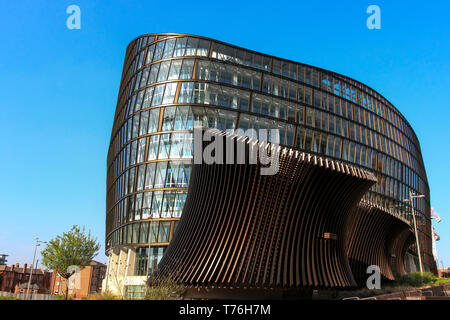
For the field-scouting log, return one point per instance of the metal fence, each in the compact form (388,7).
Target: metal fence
(23,296)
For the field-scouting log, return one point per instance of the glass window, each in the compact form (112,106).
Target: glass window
(137,212)
(158,95)
(191,47)
(301,74)
(129,233)
(164,146)
(135,126)
(153,147)
(316,141)
(309,116)
(330,145)
(131,105)
(153,120)
(186,92)
(144,77)
(131,180)
(143,127)
(307,95)
(317,122)
(276,66)
(291,113)
(147,97)
(227,53)
(169,93)
(150,175)
(179,203)
(168,51)
(155,256)
(184,174)
(138,79)
(203,48)
(158,51)
(153,73)
(163,71)
(141,150)
(219,72)
(164,230)
(167,206)
(308,140)
(156,204)
(133,152)
(221,96)
(140,264)
(146,207)
(172,174)
(180,47)
(174,69)
(351,152)
(183,118)
(150,51)
(180,145)
(345,149)
(154,226)
(186,69)
(168,119)
(289,135)
(337,147)
(265,105)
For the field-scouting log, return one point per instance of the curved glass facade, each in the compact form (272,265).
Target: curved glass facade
(171,80)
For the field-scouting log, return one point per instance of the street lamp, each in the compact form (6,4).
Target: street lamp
(38,242)
(108,267)
(411,196)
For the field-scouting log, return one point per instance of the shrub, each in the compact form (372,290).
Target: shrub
(62,297)
(417,279)
(8,298)
(443,280)
(102,296)
(163,289)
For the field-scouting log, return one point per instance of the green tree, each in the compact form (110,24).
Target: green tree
(73,248)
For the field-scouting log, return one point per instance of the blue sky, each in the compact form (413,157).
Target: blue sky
(58,89)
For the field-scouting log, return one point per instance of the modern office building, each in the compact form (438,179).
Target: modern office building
(171,80)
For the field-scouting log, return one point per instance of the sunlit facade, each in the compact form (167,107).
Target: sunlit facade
(171,80)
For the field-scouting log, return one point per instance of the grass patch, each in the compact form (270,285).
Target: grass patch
(62,297)
(417,279)
(8,298)
(102,296)
(163,289)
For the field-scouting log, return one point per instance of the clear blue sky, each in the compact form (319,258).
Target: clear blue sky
(58,89)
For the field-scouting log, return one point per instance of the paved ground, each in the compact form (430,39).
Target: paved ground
(441,292)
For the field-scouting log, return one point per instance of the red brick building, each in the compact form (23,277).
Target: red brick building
(86,282)
(444,272)
(15,279)
(34,288)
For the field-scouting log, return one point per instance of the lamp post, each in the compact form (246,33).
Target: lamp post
(411,197)
(38,242)
(108,267)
